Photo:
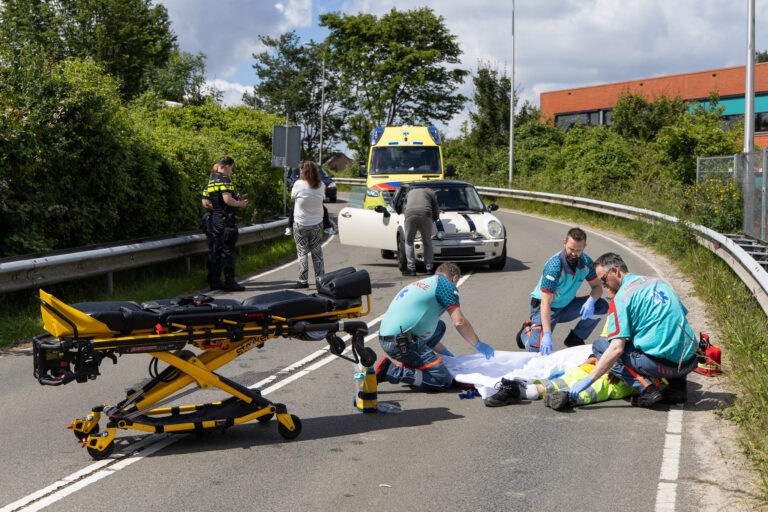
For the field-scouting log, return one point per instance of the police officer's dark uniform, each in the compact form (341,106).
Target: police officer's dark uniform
(224,226)
(207,225)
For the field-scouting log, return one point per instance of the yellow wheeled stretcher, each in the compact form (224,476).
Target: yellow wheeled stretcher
(80,336)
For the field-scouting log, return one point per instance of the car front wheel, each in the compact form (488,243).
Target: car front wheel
(501,261)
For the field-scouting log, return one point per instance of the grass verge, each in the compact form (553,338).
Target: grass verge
(20,311)
(741,322)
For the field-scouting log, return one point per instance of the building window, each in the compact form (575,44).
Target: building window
(594,118)
(607,116)
(761,122)
(566,121)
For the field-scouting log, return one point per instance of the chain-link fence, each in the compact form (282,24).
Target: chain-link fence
(744,173)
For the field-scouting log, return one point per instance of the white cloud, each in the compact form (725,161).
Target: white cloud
(232,93)
(558,43)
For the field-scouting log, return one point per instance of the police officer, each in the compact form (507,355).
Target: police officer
(224,202)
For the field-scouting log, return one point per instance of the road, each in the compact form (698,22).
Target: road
(441,453)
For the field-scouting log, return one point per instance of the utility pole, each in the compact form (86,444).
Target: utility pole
(749,90)
(512,104)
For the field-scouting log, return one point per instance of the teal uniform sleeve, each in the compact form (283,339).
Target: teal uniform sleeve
(447,294)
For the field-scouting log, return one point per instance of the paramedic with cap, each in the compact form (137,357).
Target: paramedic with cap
(646,336)
(554,298)
(411,331)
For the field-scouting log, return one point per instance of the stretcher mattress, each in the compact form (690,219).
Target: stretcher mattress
(338,291)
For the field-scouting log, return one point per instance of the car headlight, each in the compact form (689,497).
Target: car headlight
(331,185)
(372,193)
(495,229)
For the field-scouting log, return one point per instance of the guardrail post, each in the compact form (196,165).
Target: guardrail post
(187,264)
(110,285)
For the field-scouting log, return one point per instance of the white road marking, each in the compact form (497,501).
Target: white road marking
(155,442)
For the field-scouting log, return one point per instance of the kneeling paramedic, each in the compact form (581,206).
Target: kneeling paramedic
(411,331)
(646,337)
(554,299)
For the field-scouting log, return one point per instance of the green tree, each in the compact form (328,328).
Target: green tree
(400,68)
(636,117)
(761,56)
(127,38)
(490,117)
(182,80)
(700,132)
(290,83)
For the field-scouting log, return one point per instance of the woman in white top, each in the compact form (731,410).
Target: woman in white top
(308,193)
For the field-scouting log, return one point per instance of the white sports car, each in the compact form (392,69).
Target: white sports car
(466,232)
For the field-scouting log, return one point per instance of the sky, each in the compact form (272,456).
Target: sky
(558,44)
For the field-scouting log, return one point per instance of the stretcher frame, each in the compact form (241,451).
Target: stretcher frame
(75,345)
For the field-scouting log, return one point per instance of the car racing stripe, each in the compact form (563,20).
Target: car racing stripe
(469,221)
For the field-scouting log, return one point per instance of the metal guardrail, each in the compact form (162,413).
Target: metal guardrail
(750,271)
(22,274)
(39,271)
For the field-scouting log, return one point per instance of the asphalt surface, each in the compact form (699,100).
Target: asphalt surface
(441,453)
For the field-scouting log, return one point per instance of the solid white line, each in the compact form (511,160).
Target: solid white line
(157,443)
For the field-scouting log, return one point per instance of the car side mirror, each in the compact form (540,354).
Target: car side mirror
(382,209)
(493,207)
(450,170)
(361,172)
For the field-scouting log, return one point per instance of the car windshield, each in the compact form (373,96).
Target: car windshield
(405,160)
(458,198)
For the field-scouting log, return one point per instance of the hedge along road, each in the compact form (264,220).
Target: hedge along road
(441,453)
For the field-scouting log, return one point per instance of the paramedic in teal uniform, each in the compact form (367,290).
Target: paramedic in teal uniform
(646,336)
(411,331)
(554,298)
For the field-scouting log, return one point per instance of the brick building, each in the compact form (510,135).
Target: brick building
(593,105)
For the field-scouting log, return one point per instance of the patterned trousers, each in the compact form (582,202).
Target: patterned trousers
(309,240)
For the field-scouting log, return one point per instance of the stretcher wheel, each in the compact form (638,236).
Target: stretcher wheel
(83,435)
(368,357)
(98,455)
(288,434)
(265,418)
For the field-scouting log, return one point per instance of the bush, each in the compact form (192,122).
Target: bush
(68,158)
(194,137)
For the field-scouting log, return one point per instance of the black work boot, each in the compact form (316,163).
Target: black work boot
(233,286)
(676,392)
(508,393)
(572,340)
(381,369)
(558,401)
(648,398)
(519,336)
(216,285)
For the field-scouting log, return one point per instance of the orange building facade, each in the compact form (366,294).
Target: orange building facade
(593,105)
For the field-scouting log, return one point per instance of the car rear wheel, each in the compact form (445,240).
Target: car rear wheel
(501,261)
(402,263)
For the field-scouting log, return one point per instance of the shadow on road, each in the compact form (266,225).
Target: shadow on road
(255,435)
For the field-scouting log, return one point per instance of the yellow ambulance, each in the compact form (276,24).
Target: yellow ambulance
(401,154)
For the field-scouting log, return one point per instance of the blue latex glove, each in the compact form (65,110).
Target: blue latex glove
(484,349)
(588,308)
(580,386)
(447,352)
(546,343)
